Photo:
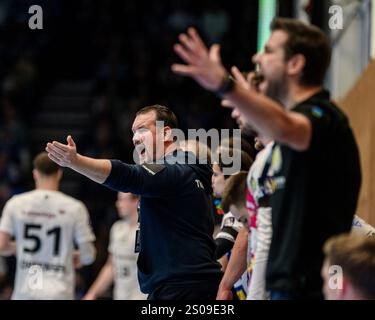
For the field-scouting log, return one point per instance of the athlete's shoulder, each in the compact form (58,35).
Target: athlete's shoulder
(230,221)
(118,225)
(20,198)
(67,198)
(122,226)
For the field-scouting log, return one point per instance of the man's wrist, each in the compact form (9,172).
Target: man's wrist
(223,286)
(227,85)
(75,163)
(91,295)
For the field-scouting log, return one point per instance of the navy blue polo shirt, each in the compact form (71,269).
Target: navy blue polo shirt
(176,224)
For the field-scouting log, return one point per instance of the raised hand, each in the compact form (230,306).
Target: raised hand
(203,65)
(242,81)
(64,155)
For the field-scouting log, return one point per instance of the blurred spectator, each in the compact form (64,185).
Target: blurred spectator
(349,268)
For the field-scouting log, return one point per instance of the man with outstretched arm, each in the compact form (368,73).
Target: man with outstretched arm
(176,249)
(314,172)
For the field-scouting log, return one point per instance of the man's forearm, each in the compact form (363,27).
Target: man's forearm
(102,282)
(87,253)
(270,119)
(266,116)
(97,170)
(238,261)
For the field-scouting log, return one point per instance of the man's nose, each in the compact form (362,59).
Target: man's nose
(136,139)
(256,58)
(235,114)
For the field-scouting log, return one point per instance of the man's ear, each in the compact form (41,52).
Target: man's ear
(295,65)
(168,134)
(35,174)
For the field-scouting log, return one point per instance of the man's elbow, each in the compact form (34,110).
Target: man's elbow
(295,135)
(87,254)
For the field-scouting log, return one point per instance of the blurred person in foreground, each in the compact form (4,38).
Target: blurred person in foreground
(349,268)
(315,160)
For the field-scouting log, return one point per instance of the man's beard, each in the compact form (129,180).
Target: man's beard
(277,89)
(247,131)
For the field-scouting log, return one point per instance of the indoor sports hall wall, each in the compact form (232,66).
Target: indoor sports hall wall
(359,104)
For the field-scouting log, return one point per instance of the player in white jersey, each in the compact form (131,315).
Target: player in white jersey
(262,228)
(121,265)
(46,224)
(230,227)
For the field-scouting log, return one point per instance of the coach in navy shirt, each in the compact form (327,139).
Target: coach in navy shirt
(176,249)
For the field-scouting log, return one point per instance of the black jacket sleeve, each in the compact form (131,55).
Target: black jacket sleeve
(225,241)
(152,180)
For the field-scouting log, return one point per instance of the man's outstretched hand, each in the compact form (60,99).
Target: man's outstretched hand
(64,155)
(203,65)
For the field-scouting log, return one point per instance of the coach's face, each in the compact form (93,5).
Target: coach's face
(145,136)
(241,122)
(272,66)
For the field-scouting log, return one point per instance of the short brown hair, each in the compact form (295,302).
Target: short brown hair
(356,256)
(162,114)
(45,165)
(235,191)
(246,160)
(309,41)
(201,150)
(232,141)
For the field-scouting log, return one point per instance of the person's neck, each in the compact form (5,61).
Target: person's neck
(298,94)
(48,185)
(132,219)
(170,148)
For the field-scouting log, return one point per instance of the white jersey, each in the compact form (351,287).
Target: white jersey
(229,221)
(45,224)
(261,234)
(257,284)
(124,260)
(256,171)
(361,227)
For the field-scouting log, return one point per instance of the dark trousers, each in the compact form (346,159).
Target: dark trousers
(197,291)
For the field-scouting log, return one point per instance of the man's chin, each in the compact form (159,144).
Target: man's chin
(263,87)
(247,131)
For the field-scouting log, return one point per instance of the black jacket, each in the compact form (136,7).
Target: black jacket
(176,224)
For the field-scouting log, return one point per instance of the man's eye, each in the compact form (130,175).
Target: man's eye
(140,130)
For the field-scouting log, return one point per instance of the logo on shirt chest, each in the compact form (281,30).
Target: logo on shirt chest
(199,184)
(273,180)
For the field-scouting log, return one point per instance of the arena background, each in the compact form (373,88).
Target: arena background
(95,63)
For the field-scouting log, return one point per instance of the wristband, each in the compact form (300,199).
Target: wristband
(227,85)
